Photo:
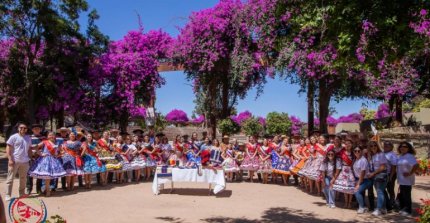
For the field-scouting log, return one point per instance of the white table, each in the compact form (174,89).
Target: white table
(191,175)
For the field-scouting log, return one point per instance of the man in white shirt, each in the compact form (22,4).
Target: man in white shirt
(18,153)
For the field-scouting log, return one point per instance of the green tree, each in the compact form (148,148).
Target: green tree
(277,123)
(367,113)
(228,127)
(252,127)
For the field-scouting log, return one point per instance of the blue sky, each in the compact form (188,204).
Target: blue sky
(117,17)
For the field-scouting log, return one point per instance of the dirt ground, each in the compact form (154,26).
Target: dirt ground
(240,202)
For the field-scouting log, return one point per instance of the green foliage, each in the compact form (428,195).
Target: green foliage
(228,127)
(252,126)
(424,211)
(367,113)
(56,219)
(277,123)
(160,123)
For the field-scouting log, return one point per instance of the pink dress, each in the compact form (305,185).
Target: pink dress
(251,163)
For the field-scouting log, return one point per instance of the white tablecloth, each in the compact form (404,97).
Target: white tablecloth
(190,175)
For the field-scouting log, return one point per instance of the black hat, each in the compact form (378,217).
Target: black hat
(160,134)
(36,126)
(138,131)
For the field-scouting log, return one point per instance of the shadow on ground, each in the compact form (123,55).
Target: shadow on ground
(286,215)
(196,192)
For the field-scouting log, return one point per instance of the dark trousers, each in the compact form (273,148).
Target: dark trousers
(389,194)
(29,184)
(63,182)
(370,196)
(80,181)
(405,198)
(110,177)
(98,178)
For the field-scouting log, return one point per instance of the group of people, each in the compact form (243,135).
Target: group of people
(341,164)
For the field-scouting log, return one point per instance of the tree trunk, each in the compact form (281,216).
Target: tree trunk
(324,103)
(123,122)
(31,105)
(60,119)
(225,107)
(399,111)
(311,93)
(212,94)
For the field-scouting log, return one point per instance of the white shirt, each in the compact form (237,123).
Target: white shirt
(361,165)
(405,163)
(329,168)
(21,145)
(392,160)
(377,161)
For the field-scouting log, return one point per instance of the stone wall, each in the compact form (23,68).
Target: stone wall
(417,136)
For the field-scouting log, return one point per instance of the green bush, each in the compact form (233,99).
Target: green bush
(252,126)
(228,127)
(277,123)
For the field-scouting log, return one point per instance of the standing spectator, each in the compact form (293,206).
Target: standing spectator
(18,153)
(361,169)
(378,172)
(406,167)
(391,171)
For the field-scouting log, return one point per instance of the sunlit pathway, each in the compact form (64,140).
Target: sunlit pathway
(241,202)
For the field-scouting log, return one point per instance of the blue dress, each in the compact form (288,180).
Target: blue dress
(47,166)
(90,162)
(69,162)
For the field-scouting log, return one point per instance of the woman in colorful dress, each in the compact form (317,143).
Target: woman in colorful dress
(345,181)
(151,162)
(284,162)
(313,174)
(250,162)
(48,166)
(229,164)
(106,156)
(264,154)
(215,154)
(120,152)
(72,160)
(274,156)
(303,160)
(166,150)
(92,163)
(178,147)
(137,159)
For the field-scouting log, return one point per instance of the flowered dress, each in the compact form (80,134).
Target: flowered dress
(345,182)
(249,162)
(166,152)
(137,159)
(192,158)
(47,166)
(314,172)
(298,166)
(92,163)
(274,154)
(229,164)
(147,149)
(123,156)
(72,161)
(284,163)
(265,165)
(107,157)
